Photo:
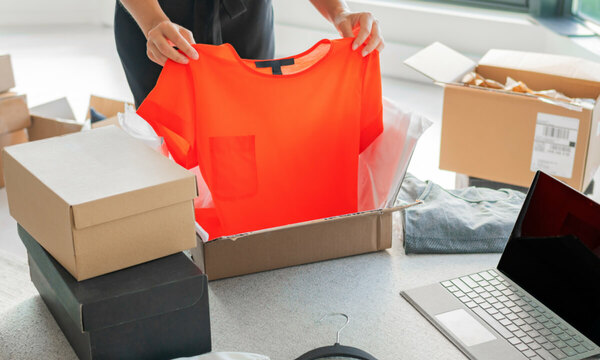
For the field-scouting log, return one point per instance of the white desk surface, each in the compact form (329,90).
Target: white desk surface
(274,313)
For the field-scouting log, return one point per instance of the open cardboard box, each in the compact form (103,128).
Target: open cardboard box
(328,238)
(506,137)
(52,119)
(107,107)
(56,118)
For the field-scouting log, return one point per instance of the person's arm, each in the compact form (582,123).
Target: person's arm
(161,33)
(338,13)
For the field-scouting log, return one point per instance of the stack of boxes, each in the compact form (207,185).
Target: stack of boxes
(14,115)
(105,220)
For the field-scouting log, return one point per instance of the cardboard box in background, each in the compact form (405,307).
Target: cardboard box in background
(11,138)
(14,118)
(107,107)
(51,119)
(506,137)
(158,309)
(14,114)
(7,78)
(99,200)
(56,118)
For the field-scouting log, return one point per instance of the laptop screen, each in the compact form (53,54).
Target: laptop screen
(554,253)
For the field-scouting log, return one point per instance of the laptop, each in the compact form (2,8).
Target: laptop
(543,299)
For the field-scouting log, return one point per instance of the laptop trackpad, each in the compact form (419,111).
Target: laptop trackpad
(464,326)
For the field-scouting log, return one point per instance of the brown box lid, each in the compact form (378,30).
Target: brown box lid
(104,174)
(12,138)
(14,115)
(99,200)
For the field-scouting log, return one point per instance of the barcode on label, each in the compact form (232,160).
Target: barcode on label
(555,144)
(559,133)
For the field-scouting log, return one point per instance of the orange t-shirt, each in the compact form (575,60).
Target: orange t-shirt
(277,141)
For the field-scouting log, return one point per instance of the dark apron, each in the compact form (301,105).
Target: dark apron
(245,24)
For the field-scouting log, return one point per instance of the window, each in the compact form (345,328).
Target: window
(587,9)
(516,5)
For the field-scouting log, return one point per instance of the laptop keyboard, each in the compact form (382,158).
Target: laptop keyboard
(531,329)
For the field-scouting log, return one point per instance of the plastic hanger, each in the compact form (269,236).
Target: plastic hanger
(337,350)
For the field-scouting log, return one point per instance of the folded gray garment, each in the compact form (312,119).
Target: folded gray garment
(469,220)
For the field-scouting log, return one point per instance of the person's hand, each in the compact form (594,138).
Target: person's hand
(368,28)
(162,38)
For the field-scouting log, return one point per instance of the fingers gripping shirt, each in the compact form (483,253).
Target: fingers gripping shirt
(277,141)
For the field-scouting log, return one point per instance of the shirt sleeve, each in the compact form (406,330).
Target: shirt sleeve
(371,121)
(169,109)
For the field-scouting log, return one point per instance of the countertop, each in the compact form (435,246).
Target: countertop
(276,313)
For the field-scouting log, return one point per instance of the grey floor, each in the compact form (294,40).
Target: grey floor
(76,61)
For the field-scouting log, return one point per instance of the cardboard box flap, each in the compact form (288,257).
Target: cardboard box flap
(105,174)
(14,115)
(43,128)
(139,292)
(441,64)
(54,118)
(401,207)
(557,65)
(204,235)
(59,109)
(105,106)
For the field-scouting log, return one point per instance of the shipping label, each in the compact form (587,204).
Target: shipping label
(554,144)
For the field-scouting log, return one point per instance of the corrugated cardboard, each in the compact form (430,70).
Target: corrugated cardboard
(296,244)
(99,200)
(154,310)
(489,134)
(12,138)
(51,119)
(7,78)
(14,114)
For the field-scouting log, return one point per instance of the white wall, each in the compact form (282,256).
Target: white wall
(407,25)
(44,12)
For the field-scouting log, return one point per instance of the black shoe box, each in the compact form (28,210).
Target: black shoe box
(155,310)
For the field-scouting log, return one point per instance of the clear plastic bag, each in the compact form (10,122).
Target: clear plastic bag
(137,127)
(383,164)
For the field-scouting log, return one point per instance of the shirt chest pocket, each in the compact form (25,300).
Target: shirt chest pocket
(233,165)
